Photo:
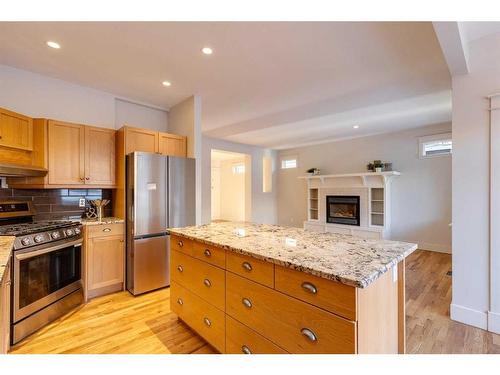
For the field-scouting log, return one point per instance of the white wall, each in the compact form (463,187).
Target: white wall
(40,96)
(421,196)
(471,163)
(263,205)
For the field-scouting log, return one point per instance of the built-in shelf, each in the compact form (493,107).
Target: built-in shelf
(313,204)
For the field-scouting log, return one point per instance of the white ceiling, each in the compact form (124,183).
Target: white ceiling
(277,84)
(476,30)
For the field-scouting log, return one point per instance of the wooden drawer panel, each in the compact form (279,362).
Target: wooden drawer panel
(205,319)
(329,295)
(211,254)
(286,321)
(254,269)
(203,279)
(103,230)
(242,340)
(181,244)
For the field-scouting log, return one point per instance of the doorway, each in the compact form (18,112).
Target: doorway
(231,186)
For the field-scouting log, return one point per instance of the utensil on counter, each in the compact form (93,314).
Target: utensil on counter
(99,204)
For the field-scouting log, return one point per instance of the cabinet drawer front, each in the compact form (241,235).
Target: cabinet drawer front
(180,244)
(203,279)
(103,230)
(329,295)
(243,340)
(205,319)
(209,254)
(254,269)
(293,325)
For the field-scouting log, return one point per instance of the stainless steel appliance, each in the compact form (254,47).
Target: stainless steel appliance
(47,261)
(160,194)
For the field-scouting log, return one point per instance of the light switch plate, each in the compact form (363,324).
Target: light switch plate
(81,202)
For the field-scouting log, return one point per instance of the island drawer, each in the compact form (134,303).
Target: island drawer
(254,269)
(205,319)
(329,295)
(105,230)
(203,279)
(243,340)
(210,254)
(181,244)
(293,325)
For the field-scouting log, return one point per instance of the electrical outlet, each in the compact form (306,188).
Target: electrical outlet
(81,202)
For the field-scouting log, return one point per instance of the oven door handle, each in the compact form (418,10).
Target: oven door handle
(35,253)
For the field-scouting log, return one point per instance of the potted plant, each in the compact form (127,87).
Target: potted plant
(313,171)
(378,165)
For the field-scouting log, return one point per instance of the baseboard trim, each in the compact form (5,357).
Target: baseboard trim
(493,322)
(468,316)
(439,248)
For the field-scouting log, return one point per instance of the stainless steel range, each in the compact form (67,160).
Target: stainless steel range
(47,263)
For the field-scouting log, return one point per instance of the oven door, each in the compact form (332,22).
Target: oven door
(45,275)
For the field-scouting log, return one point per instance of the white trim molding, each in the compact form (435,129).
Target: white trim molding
(468,316)
(437,247)
(493,322)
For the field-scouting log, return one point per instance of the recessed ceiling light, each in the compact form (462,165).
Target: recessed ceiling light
(356,127)
(166,83)
(53,44)
(207,50)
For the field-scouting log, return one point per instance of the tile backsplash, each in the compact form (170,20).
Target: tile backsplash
(58,204)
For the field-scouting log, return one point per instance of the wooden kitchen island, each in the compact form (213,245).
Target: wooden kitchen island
(253,288)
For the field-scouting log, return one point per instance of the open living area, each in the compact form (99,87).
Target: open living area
(267,187)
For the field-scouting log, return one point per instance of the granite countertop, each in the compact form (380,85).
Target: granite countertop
(350,260)
(6,243)
(105,220)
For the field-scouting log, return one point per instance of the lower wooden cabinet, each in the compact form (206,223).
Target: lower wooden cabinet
(104,259)
(5,311)
(241,339)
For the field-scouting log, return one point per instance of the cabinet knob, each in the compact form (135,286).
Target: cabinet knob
(179,268)
(180,301)
(87,178)
(308,287)
(247,303)
(310,335)
(180,243)
(246,350)
(247,266)
(207,283)
(207,322)
(207,253)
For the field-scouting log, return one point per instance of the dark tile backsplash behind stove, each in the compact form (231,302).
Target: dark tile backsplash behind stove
(58,204)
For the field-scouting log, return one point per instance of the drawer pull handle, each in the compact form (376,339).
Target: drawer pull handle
(246,350)
(207,283)
(106,230)
(308,287)
(180,243)
(247,303)
(247,266)
(207,321)
(207,253)
(310,335)
(180,301)
(179,268)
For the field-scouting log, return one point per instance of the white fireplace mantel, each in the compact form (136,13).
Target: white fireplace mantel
(364,179)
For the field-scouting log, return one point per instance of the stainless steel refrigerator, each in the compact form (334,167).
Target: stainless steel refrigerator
(160,194)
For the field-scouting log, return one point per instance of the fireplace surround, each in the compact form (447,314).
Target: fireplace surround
(343,209)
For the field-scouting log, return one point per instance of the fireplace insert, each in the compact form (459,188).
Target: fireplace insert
(342,209)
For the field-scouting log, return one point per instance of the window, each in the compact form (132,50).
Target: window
(435,145)
(288,162)
(238,168)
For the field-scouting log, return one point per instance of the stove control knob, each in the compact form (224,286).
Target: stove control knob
(70,232)
(77,231)
(38,238)
(26,241)
(55,235)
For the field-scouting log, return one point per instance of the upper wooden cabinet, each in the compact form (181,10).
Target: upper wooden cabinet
(171,144)
(140,140)
(16,130)
(99,156)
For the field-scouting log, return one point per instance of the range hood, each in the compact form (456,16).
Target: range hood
(15,170)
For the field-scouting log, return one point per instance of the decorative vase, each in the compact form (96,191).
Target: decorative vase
(378,169)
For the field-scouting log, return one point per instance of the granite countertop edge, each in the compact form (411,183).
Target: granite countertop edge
(104,221)
(363,283)
(6,245)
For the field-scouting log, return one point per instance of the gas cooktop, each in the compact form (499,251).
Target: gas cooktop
(34,227)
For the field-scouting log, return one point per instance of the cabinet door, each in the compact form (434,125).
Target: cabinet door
(66,153)
(99,156)
(171,144)
(140,140)
(105,265)
(16,131)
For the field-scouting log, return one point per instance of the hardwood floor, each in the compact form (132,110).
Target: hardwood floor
(120,323)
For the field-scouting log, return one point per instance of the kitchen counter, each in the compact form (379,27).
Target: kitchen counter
(104,221)
(6,243)
(346,259)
